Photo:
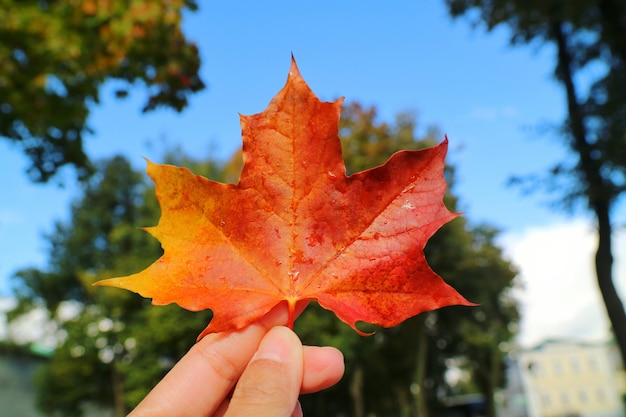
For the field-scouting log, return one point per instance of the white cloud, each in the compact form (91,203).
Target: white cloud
(561,298)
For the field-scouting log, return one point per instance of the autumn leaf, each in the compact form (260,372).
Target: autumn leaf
(296,228)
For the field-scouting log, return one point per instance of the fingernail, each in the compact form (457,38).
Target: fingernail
(298,411)
(276,345)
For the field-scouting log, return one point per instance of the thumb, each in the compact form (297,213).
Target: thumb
(270,384)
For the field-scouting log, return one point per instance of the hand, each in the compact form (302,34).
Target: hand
(267,366)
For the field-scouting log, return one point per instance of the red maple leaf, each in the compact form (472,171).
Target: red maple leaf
(296,228)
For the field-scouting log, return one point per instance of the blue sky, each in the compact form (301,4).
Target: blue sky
(487,97)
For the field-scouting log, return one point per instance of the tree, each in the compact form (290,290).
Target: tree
(125,346)
(481,337)
(56,55)
(401,371)
(584,33)
(117,346)
(101,238)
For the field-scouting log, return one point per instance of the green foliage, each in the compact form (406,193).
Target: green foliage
(162,335)
(55,56)
(102,236)
(66,384)
(367,142)
(400,371)
(118,346)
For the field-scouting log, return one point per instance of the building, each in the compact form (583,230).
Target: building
(17,394)
(567,378)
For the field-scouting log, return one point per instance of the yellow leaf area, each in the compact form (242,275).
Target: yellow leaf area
(296,228)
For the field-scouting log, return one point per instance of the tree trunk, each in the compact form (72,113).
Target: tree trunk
(487,375)
(491,382)
(604,271)
(118,391)
(613,27)
(356,392)
(417,389)
(598,192)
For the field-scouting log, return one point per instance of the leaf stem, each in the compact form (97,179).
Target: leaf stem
(292,313)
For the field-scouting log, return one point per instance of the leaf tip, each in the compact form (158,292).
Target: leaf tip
(149,163)
(293,70)
(205,332)
(150,168)
(104,283)
(362,333)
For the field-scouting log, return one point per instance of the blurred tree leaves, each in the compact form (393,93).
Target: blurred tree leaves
(118,346)
(55,55)
(401,371)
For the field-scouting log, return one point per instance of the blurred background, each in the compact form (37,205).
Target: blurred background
(532,95)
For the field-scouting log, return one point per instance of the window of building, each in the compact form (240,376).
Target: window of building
(535,368)
(558,367)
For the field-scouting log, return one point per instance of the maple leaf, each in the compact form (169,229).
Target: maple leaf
(296,228)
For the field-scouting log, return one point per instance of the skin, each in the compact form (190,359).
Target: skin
(256,371)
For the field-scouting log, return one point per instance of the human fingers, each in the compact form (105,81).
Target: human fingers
(200,381)
(323,368)
(270,384)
